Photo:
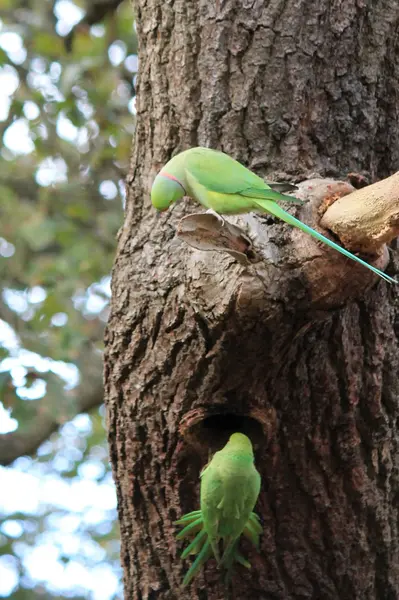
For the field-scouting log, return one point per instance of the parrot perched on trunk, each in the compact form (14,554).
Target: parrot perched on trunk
(230,486)
(225,186)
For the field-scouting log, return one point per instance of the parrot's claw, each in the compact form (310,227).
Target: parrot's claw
(215,214)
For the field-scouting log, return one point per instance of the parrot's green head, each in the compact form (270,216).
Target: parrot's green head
(165,190)
(241,442)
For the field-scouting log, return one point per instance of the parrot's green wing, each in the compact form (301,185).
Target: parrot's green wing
(249,528)
(220,173)
(211,498)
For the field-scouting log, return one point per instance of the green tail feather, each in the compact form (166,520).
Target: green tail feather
(277,211)
(195,544)
(229,557)
(251,535)
(229,552)
(190,528)
(201,559)
(255,516)
(233,555)
(188,517)
(253,529)
(255,522)
(201,545)
(240,559)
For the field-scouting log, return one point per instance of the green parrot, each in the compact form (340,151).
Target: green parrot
(230,486)
(225,186)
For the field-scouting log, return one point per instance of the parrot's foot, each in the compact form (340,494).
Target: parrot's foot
(215,214)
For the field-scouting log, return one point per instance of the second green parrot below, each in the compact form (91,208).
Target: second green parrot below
(225,186)
(230,486)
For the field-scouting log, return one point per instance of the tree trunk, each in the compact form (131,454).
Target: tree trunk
(299,350)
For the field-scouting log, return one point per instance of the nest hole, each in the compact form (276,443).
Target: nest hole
(227,424)
(208,433)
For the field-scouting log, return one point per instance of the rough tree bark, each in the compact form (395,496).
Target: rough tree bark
(299,350)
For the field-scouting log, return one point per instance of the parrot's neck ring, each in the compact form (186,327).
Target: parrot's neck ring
(173,178)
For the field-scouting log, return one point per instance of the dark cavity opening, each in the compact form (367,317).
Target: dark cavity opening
(226,424)
(210,432)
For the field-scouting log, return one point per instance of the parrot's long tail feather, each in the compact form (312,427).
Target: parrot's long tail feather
(255,522)
(192,527)
(195,544)
(188,517)
(230,555)
(215,548)
(206,552)
(240,559)
(277,211)
(228,552)
(251,535)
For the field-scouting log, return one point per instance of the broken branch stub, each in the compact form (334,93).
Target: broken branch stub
(206,232)
(368,218)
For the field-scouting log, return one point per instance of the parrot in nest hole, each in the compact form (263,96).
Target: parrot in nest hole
(225,186)
(230,486)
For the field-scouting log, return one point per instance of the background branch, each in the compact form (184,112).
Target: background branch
(57,407)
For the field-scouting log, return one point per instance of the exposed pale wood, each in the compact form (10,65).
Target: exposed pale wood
(368,218)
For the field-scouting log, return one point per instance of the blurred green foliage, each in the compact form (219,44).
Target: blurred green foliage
(66,125)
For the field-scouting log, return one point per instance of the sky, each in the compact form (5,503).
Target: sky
(71,507)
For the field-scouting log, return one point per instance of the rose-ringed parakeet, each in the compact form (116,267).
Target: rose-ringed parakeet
(230,486)
(225,186)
